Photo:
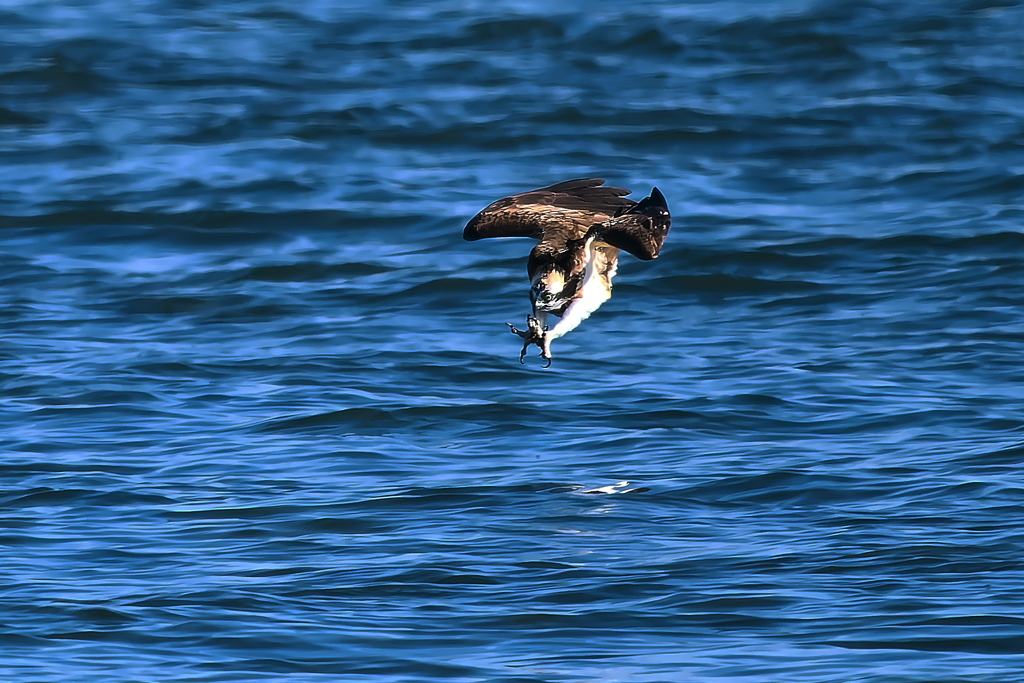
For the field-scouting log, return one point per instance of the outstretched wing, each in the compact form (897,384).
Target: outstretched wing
(561,212)
(641,230)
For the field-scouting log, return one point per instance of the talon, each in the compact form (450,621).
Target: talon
(534,334)
(515,330)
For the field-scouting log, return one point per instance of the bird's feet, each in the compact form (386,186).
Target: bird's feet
(534,334)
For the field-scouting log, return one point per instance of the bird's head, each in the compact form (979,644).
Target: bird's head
(547,290)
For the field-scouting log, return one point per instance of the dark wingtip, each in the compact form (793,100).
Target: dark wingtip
(655,201)
(658,198)
(470,233)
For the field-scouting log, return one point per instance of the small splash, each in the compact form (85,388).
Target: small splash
(620,487)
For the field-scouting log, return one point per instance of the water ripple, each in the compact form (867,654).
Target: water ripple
(263,419)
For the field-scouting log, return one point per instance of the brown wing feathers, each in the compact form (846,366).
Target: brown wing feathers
(562,211)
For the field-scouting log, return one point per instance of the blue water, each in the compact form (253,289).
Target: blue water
(262,419)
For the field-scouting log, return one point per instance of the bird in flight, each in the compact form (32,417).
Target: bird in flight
(581,225)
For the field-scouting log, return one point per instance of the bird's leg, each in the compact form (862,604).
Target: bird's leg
(545,348)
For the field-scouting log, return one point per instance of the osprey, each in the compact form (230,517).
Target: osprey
(580,226)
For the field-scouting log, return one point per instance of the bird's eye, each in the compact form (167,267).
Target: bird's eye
(546,296)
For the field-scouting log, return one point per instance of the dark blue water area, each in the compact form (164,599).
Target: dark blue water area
(262,420)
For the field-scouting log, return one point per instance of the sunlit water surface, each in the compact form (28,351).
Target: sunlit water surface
(262,419)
